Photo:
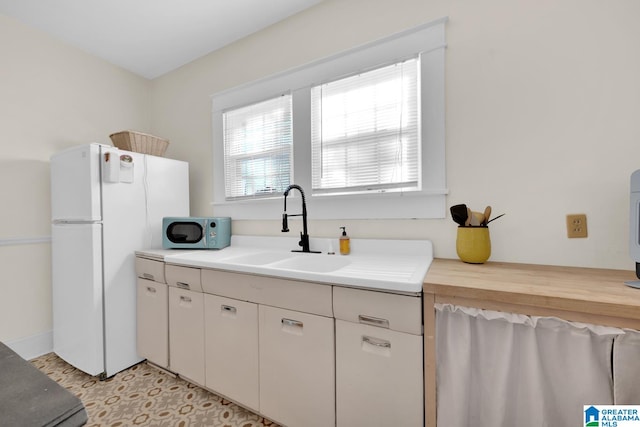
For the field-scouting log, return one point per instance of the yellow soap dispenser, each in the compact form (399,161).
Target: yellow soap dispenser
(345,243)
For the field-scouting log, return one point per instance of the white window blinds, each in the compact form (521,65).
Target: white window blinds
(258,148)
(365,132)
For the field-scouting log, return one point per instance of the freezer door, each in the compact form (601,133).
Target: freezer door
(75,184)
(77,295)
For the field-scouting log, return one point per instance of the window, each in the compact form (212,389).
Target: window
(257,149)
(362,132)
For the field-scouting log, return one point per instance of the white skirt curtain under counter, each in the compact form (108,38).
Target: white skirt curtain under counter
(626,368)
(504,369)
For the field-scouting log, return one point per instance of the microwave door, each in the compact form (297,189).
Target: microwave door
(188,233)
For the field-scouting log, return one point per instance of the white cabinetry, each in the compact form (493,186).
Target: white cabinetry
(186,323)
(291,339)
(300,353)
(297,368)
(379,376)
(152,318)
(231,349)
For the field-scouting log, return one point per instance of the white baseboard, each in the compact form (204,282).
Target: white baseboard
(31,347)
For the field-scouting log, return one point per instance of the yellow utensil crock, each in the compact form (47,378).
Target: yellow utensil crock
(473,244)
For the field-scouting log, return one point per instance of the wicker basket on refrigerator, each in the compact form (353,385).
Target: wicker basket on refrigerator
(139,142)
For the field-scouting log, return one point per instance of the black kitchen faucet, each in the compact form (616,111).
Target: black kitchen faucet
(304,236)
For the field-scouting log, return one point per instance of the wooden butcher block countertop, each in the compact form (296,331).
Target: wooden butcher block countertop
(580,294)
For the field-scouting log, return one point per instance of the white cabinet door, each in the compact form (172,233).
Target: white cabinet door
(297,368)
(153,322)
(186,334)
(378,377)
(231,349)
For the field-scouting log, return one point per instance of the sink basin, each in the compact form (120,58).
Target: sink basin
(315,263)
(259,258)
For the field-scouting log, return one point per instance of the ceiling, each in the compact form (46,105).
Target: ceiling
(151,37)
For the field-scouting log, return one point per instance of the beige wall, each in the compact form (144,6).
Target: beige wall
(51,96)
(543,101)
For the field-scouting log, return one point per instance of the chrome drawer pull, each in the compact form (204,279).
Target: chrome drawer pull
(375,321)
(228,309)
(148,276)
(183,285)
(151,290)
(289,322)
(185,299)
(376,342)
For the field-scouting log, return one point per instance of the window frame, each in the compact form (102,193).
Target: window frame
(427,41)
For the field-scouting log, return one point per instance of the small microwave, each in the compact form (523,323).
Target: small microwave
(196,232)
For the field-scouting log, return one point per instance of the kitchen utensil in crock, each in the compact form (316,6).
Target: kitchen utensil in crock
(493,219)
(459,213)
(487,215)
(477,219)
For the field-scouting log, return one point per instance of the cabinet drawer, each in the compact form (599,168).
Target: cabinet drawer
(396,312)
(183,277)
(150,269)
(291,294)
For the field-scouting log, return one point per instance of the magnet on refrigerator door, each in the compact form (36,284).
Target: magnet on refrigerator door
(126,168)
(111,166)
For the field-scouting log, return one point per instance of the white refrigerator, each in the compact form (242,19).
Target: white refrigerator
(106,204)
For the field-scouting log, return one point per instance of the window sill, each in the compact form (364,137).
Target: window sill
(420,205)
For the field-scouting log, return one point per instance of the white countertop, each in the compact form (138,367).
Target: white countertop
(396,266)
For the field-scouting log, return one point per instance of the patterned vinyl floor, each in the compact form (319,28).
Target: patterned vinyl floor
(145,396)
